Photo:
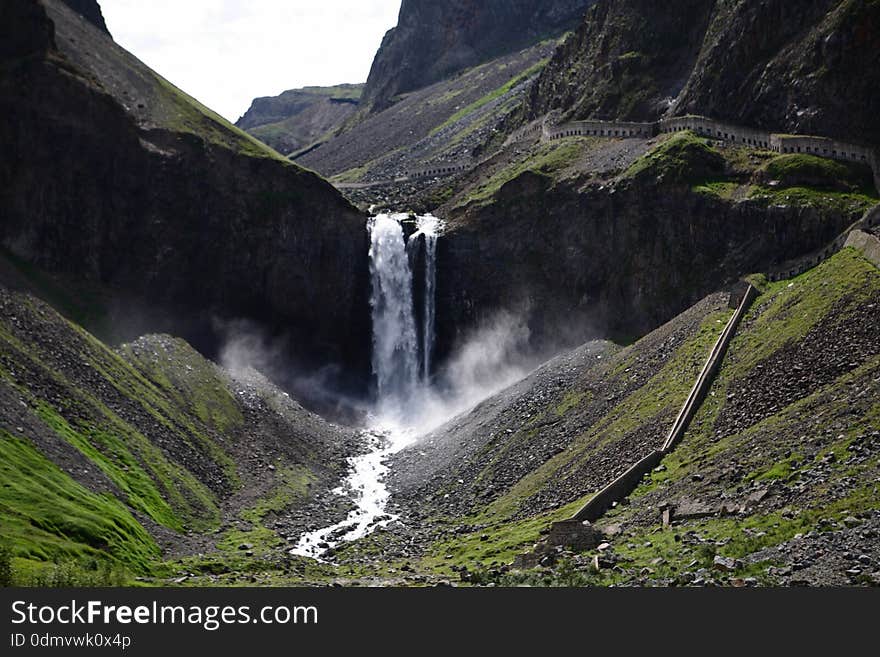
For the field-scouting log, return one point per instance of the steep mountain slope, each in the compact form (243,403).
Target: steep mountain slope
(443,122)
(626,61)
(111,174)
(299,118)
(809,68)
(433,40)
(778,475)
(116,459)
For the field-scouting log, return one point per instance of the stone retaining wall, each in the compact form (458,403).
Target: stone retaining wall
(621,129)
(707,374)
(446,169)
(617,489)
(719,130)
(701,125)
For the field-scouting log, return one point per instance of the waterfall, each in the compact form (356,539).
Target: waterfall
(395,345)
(428,227)
(402,350)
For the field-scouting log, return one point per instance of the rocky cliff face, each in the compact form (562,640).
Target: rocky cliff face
(112,174)
(432,40)
(91,11)
(810,67)
(299,118)
(612,260)
(625,61)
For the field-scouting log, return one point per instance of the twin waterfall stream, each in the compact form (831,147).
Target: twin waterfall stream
(403,314)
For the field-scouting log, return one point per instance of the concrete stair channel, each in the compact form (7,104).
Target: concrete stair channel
(627,482)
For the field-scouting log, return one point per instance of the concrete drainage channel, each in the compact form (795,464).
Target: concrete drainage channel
(577,532)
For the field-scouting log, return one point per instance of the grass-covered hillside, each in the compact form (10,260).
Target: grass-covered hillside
(153,100)
(301,118)
(776,481)
(115,460)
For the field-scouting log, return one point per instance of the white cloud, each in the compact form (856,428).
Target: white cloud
(227,52)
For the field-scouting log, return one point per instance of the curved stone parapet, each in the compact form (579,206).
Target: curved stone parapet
(444,169)
(619,129)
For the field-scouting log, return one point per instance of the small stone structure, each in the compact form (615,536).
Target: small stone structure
(579,535)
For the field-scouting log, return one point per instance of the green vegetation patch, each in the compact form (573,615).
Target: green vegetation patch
(854,203)
(790,308)
(497,543)
(47,516)
(683,158)
(548,159)
(185,114)
(802,170)
(291,486)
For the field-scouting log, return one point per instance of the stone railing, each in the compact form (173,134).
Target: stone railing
(722,131)
(442,169)
(619,129)
(701,125)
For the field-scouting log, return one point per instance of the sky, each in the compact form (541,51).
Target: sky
(225,53)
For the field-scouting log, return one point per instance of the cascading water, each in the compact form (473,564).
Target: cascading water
(397,361)
(395,347)
(428,228)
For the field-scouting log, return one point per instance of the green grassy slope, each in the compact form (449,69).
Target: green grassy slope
(150,451)
(108,456)
(782,446)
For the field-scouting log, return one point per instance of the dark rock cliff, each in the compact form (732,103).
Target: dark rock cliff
(626,61)
(110,174)
(433,40)
(91,11)
(608,260)
(810,67)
